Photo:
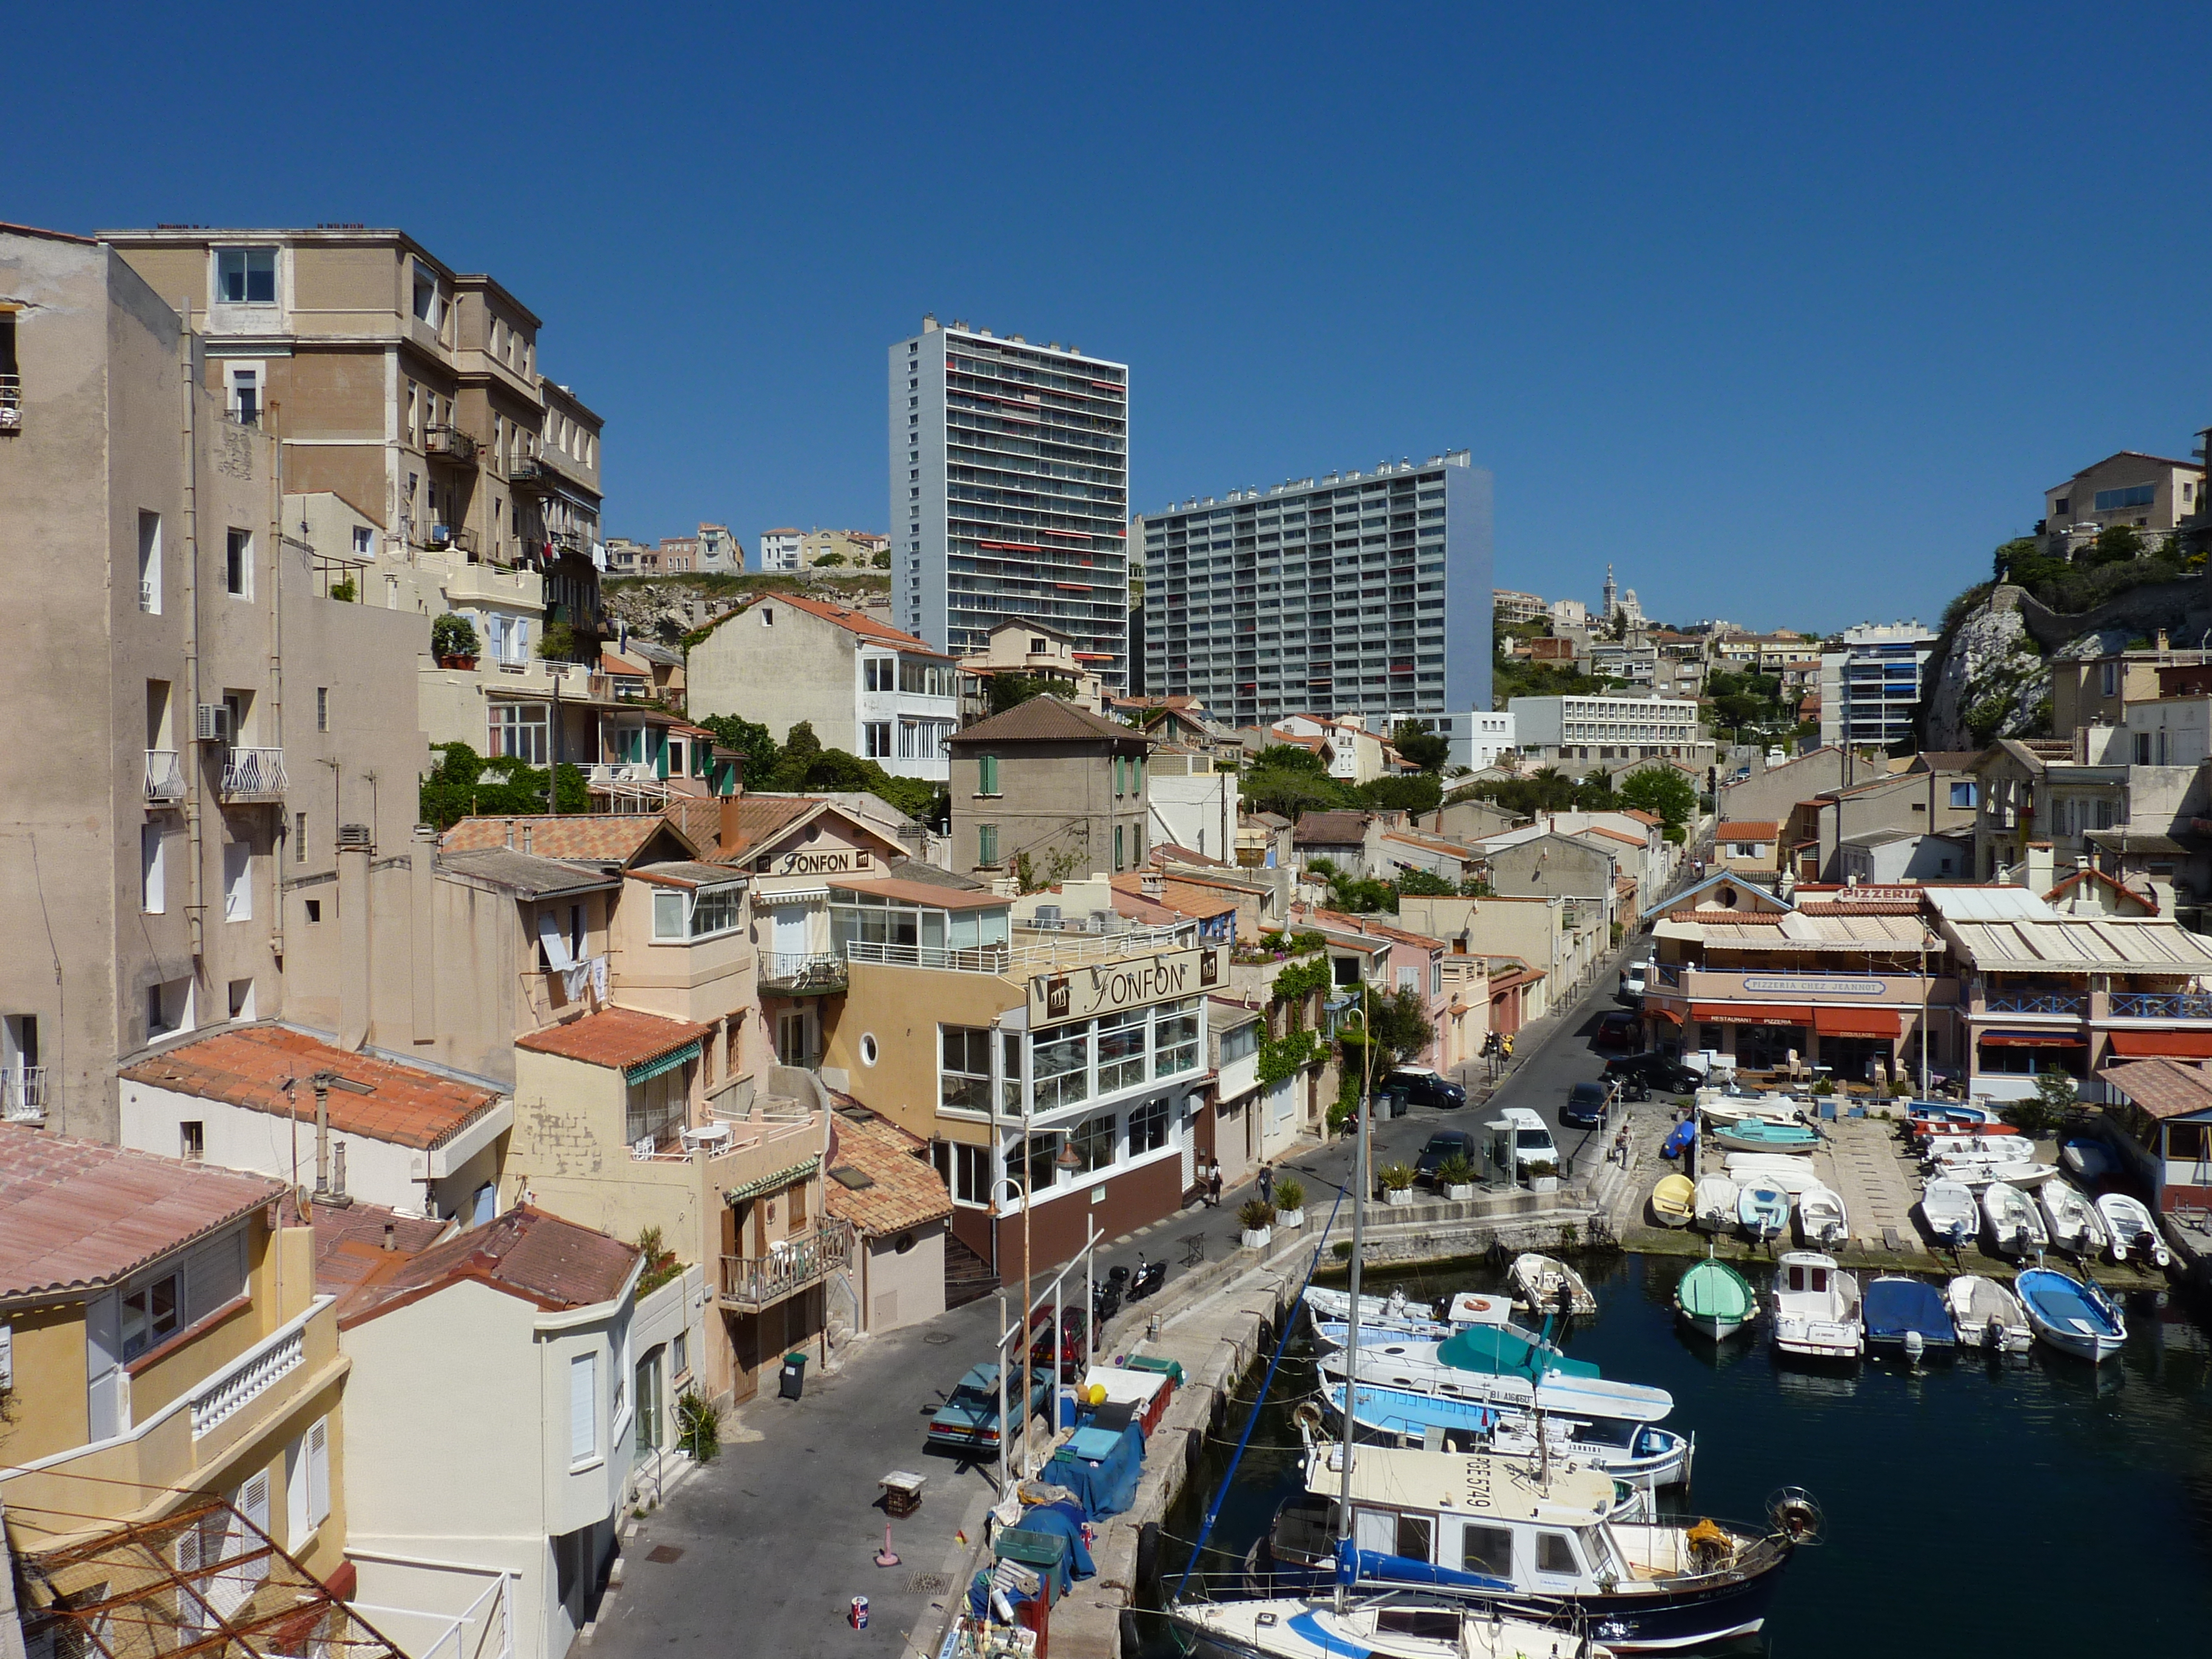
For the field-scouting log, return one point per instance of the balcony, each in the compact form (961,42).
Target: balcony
(11,402)
(248,1377)
(1046,951)
(450,443)
(802,974)
(2158,1005)
(626,786)
(253,774)
(528,473)
(751,1283)
(23,1094)
(2037,1002)
(165,778)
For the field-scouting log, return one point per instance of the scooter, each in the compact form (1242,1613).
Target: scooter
(1148,1278)
(1105,1303)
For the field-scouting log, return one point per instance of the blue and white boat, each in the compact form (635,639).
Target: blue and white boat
(1907,1316)
(1680,1139)
(1752,1134)
(1947,1111)
(1762,1210)
(2073,1315)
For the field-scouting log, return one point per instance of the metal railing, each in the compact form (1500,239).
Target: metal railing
(11,402)
(252,1374)
(790,971)
(253,772)
(165,778)
(449,443)
(2036,1002)
(1071,949)
(629,788)
(2161,1005)
(753,1282)
(23,1094)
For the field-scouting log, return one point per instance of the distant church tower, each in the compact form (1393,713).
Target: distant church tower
(1607,614)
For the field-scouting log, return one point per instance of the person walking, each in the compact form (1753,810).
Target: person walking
(1266,1183)
(1213,1185)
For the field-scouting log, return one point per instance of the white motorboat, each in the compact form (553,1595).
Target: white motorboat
(2015,1224)
(1999,1149)
(1327,1304)
(1953,1217)
(1297,1627)
(2090,1159)
(1540,1281)
(1817,1312)
(1714,1206)
(2072,1220)
(2131,1229)
(2074,1316)
(1793,1175)
(1736,1109)
(1820,1219)
(1988,1315)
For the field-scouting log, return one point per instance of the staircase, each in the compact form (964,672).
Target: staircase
(967,1275)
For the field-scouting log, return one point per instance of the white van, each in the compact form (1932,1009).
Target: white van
(1532,1140)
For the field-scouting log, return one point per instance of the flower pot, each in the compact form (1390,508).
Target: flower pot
(1398,1195)
(1256,1238)
(1290,1217)
(1459,1195)
(1543,1184)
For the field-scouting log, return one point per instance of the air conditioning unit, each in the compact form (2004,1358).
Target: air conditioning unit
(355,835)
(1047,916)
(211,723)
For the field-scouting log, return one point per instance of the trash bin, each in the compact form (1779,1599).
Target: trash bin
(792,1378)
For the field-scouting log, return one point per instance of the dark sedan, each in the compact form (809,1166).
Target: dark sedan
(1658,1070)
(1616,1031)
(1423,1087)
(1443,1145)
(1587,1105)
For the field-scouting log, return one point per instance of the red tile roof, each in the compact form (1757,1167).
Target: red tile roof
(247,1068)
(1748,830)
(2163,1088)
(615,837)
(525,1252)
(350,1251)
(1342,923)
(74,1212)
(614,1037)
(902,1191)
(1047,719)
(852,622)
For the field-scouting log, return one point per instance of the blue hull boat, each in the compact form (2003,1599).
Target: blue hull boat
(1764,1211)
(1754,1134)
(1908,1315)
(1681,1140)
(2072,1316)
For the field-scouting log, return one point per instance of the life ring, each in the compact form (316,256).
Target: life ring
(1308,1416)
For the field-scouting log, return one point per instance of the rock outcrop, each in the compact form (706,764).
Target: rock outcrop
(1992,681)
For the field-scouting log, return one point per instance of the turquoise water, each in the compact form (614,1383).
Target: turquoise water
(2034,1506)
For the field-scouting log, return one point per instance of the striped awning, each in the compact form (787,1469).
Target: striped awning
(667,1062)
(770,1184)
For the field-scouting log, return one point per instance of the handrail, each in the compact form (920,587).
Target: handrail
(758,1280)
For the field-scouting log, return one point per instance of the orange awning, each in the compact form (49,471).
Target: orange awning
(1672,1016)
(2032,1040)
(1749,1013)
(2169,1045)
(1859,1022)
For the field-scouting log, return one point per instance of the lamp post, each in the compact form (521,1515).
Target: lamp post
(1064,1159)
(1926,939)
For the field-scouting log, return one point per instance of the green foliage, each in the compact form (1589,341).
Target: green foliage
(2115,544)
(763,753)
(1398,1022)
(1396,1178)
(1519,677)
(1290,791)
(800,764)
(1414,880)
(882,561)
(1421,746)
(1455,1171)
(2107,567)
(698,1426)
(452,636)
(1289,1054)
(660,1262)
(1547,789)
(1012,690)
(1421,793)
(464,784)
(2042,1112)
(1254,1213)
(1359,896)
(829,560)
(1290,1193)
(1301,979)
(559,642)
(345,593)
(1290,757)
(1662,791)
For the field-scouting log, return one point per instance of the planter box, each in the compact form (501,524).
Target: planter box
(1257,1238)
(1398,1195)
(1290,1217)
(1543,1184)
(465,663)
(1459,1195)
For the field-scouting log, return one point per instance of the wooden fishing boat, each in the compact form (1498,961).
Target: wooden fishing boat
(1715,1300)
(2074,1316)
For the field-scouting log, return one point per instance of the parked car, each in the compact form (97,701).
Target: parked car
(1424,1087)
(1074,1334)
(1443,1145)
(1657,1070)
(1532,1140)
(1615,1029)
(1588,1105)
(968,1422)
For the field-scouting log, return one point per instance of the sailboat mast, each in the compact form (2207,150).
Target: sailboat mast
(1351,1344)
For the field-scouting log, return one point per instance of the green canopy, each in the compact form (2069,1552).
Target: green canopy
(1501,1351)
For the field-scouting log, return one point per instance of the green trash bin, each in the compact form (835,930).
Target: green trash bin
(791,1380)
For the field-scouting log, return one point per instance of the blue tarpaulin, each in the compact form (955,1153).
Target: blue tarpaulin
(1064,1519)
(1107,1484)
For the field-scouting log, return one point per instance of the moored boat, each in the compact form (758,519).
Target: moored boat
(1714,1299)
(2072,1220)
(2015,1224)
(1722,1109)
(2088,1157)
(1714,1204)
(2072,1314)
(1754,1134)
(1820,1218)
(1792,1175)
(1816,1308)
(1539,1281)
(2131,1230)
(1985,1314)
(1762,1210)
(1908,1315)
(1948,1206)
(1388,1627)
(1673,1201)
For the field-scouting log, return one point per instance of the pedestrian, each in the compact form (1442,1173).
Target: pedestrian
(1266,1183)
(1213,1185)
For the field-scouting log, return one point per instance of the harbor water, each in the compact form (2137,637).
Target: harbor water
(2034,1505)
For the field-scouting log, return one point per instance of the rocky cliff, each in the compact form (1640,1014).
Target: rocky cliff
(1991,681)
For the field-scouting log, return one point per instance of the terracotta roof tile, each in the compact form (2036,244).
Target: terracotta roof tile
(761,818)
(2163,1088)
(616,837)
(1347,924)
(1330,829)
(852,622)
(614,1037)
(74,1213)
(1750,829)
(1047,719)
(349,1253)
(1184,899)
(939,895)
(405,1106)
(903,1190)
(525,1252)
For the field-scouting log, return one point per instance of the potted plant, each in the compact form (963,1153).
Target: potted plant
(1397,1183)
(1543,1177)
(1256,1216)
(1290,1202)
(453,641)
(1455,1177)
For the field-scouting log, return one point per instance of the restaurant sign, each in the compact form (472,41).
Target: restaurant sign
(821,861)
(1107,988)
(1812,985)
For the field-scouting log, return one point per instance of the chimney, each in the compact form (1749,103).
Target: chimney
(2161,639)
(390,1242)
(726,835)
(355,855)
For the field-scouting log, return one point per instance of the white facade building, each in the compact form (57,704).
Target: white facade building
(1869,689)
(1479,739)
(1607,727)
(778,550)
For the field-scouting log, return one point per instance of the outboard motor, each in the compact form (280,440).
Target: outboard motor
(1915,1345)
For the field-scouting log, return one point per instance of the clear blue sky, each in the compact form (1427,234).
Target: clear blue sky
(1791,313)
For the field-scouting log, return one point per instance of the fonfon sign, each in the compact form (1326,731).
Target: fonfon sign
(1082,993)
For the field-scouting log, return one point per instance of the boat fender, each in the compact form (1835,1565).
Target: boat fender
(1307,1416)
(1148,1555)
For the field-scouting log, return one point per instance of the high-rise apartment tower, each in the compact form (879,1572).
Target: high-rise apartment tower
(1009,492)
(1358,594)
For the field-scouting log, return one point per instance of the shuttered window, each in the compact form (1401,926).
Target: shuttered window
(583,1408)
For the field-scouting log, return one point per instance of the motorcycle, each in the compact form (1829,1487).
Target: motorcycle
(1148,1278)
(1105,1304)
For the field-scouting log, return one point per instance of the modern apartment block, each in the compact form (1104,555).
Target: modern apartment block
(1357,593)
(1869,689)
(1009,492)
(1609,728)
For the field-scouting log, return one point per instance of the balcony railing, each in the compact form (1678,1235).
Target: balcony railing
(2036,1002)
(23,1094)
(2161,1005)
(11,402)
(751,1283)
(629,786)
(1076,947)
(165,778)
(529,471)
(252,1375)
(449,443)
(253,772)
(802,973)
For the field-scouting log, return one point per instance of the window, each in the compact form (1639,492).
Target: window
(966,1172)
(238,563)
(583,1408)
(1175,1038)
(876,739)
(192,1141)
(1240,1044)
(2114,500)
(679,1354)
(239,996)
(880,673)
(149,563)
(654,1109)
(986,843)
(426,296)
(153,896)
(151,1314)
(315,907)
(1436,976)
(2108,679)
(2143,749)
(1413,1533)
(1962,794)
(1148,1127)
(963,1083)
(987,775)
(1487,1550)
(245,394)
(1092,1142)
(1119,831)
(1122,1050)
(1036,647)
(1409,978)
(1555,1553)
(245,276)
(322,709)
(364,541)
(238,881)
(519,730)
(1060,1063)
(307,1481)
(701,912)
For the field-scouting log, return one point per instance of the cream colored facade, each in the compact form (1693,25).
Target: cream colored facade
(1040,652)
(201,721)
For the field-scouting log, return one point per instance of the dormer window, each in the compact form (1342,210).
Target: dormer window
(245,276)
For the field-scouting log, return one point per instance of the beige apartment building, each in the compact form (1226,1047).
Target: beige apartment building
(206,731)
(1037,652)
(1050,790)
(2151,493)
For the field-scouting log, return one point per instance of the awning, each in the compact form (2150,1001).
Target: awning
(645,1069)
(2167,1045)
(770,1184)
(1749,1013)
(2033,1039)
(1672,1016)
(1859,1022)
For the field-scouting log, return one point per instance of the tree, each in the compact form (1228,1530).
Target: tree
(1661,790)
(1421,793)
(1398,1022)
(1423,747)
(763,755)
(465,784)
(2116,544)
(1290,791)
(1290,757)
(1012,690)
(1412,879)
(801,741)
